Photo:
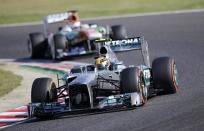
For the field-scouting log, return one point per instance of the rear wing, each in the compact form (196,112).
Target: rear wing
(58,17)
(137,43)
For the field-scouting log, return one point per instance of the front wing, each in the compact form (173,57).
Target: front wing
(122,101)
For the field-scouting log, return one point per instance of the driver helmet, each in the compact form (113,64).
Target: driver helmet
(102,63)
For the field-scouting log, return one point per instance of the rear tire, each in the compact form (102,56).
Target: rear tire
(132,81)
(59,43)
(118,32)
(43,90)
(38,45)
(164,75)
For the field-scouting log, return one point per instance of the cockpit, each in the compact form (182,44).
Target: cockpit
(83,69)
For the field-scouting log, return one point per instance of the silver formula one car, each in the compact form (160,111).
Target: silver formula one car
(71,39)
(105,85)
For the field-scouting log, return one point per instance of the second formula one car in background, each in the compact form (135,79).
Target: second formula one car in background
(70,39)
(104,85)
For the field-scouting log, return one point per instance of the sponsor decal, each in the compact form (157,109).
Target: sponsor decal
(57,17)
(125,42)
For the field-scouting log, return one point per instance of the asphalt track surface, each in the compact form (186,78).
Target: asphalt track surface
(180,36)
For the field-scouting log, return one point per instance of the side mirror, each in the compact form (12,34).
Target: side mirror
(65,76)
(68,77)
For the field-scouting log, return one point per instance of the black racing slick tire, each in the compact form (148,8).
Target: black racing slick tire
(118,32)
(132,80)
(43,90)
(38,45)
(59,44)
(165,75)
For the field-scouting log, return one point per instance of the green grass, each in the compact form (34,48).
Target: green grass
(17,11)
(48,71)
(44,70)
(8,81)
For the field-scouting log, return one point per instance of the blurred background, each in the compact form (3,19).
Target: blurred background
(19,11)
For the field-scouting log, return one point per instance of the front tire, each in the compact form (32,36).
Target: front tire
(38,45)
(43,90)
(59,43)
(165,75)
(132,80)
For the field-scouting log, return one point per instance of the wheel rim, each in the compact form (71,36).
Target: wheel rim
(143,90)
(175,76)
(52,93)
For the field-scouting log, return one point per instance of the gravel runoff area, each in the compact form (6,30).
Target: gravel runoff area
(20,95)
